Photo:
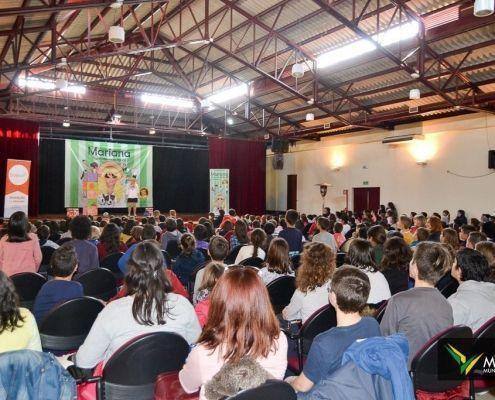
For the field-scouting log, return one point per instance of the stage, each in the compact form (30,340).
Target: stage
(184,216)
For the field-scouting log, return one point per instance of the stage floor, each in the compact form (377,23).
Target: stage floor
(184,216)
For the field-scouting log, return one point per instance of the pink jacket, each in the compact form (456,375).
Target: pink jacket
(202,311)
(20,257)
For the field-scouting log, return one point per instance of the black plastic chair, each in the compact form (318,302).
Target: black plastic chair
(449,288)
(65,327)
(296,261)
(252,262)
(380,311)
(46,252)
(192,277)
(173,249)
(340,258)
(131,371)
(64,240)
(270,390)
(233,254)
(111,262)
(424,366)
(99,283)
(321,321)
(27,285)
(280,291)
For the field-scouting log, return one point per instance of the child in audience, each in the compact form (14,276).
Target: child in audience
(474,238)
(323,226)
(277,262)
(188,259)
(254,249)
(348,295)
(19,249)
(450,237)
(434,225)
(488,250)
(87,253)
(404,226)
(419,222)
(420,236)
(95,234)
(62,288)
(338,235)
(464,233)
(312,282)
(43,233)
(474,302)
(135,238)
(421,312)
(269,228)
(292,235)
(240,236)
(445,217)
(360,255)
(149,307)
(395,264)
(170,234)
(201,236)
(377,236)
(240,322)
(18,329)
(109,242)
(213,272)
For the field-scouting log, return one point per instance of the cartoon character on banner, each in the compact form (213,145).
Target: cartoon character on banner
(110,185)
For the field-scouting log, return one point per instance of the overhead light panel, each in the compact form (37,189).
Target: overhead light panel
(152,131)
(484,8)
(231,93)
(66,123)
(230,121)
(43,84)
(176,102)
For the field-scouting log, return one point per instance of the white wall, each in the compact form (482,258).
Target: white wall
(458,144)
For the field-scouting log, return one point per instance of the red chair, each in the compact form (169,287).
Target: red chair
(424,368)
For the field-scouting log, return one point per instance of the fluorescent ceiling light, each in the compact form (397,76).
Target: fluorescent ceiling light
(43,84)
(167,100)
(225,95)
(363,46)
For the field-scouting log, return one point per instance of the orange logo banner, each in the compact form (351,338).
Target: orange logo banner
(16,186)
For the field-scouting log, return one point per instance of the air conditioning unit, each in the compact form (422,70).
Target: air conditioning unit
(402,138)
(328,125)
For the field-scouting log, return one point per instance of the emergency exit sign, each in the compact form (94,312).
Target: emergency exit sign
(365,183)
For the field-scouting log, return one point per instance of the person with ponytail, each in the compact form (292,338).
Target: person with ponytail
(149,307)
(258,237)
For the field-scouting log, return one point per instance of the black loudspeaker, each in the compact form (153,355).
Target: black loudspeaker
(278,161)
(491,159)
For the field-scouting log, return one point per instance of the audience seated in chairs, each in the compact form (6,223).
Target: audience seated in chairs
(18,329)
(149,307)
(474,302)
(292,235)
(422,311)
(147,233)
(240,236)
(110,242)
(43,233)
(252,250)
(188,259)
(312,282)
(349,293)
(171,234)
(323,226)
(277,262)
(19,249)
(87,253)
(62,287)
(241,323)
(395,264)
(212,273)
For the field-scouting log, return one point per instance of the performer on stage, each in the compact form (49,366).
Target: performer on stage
(132,192)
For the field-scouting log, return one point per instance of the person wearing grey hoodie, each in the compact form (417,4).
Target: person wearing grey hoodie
(474,302)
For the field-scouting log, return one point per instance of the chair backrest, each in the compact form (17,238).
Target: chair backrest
(46,252)
(340,258)
(321,321)
(173,249)
(64,240)
(280,291)
(270,390)
(252,262)
(296,261)
(131,371)
(111,262)
(99,283)
(450,288)
(233,254)
(381,311)
(486,331)
(67,325)
(27,285)
(192,277)
(424,366)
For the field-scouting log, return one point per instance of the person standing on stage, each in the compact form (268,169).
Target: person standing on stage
(132,196)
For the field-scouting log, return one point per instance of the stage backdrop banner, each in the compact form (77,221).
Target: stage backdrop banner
(219,190)
(97,174)
(16,187)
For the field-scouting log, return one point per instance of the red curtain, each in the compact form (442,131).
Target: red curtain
(246,162)
(20,140)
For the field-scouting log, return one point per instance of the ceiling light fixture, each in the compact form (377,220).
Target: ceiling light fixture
(66,123)
(43,84)
(414,94)
(177,102)
(152,131)
(310,117)
(230,121)
(228,94)
(116,34)
(298,70)
(484,8)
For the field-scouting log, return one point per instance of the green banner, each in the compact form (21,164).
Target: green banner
(101,175)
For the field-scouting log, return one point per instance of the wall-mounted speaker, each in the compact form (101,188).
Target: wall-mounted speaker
(278,161)
(491,159)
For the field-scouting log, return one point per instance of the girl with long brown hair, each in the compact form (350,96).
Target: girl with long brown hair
(240,323)
(277,261)
(258,237)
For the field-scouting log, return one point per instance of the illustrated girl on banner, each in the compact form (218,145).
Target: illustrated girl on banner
(111,191)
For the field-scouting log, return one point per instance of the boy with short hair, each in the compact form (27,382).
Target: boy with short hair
(292,235)
(464,233)
(62,288)
(348,295)
(323,225)
(404,225)
(474,238)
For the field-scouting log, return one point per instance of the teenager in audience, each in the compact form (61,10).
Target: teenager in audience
(292,235)
(18,329)
(87,253)
(323,226)
(54,231)
(404,226)
(188,259)
(474,238)
(150,306)
(19,249)
(254,249)
(395,264)
(360,255)
(201,236)
(460,219)
(109,242)
(61,288)
(136,233)
(212,273)
(240,236)
(43,233)
(488,250)
(488,226)
(377,236)
(147,233)
(421,312)
(474,302)
(240,323)
(277,262)
(419,222)
(348,295)
(434,226)
(464,233)
(420,236)
(269,228)
(312,282)
(445,218)
(218,250)
(450,237)
(170,234)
